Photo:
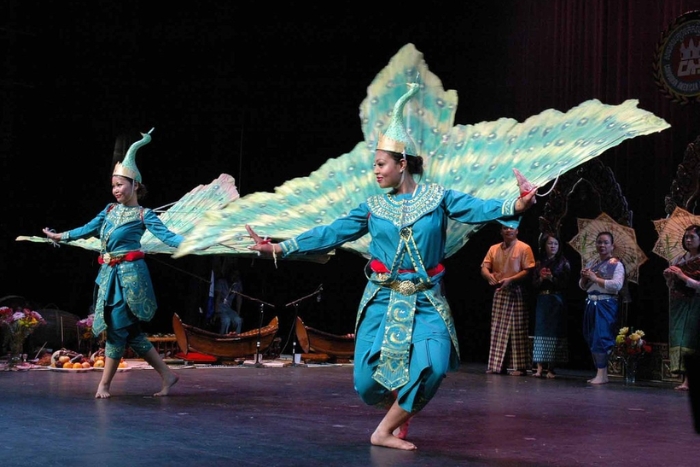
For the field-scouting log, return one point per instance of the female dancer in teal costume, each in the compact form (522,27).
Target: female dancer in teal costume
(125,294)
(405,339)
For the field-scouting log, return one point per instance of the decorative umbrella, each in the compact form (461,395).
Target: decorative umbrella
(626,247)
(671,229)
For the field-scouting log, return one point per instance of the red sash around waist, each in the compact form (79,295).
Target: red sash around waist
(378,267)
(114,260)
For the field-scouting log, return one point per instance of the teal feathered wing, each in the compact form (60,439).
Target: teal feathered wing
(476,159)
(180,217)
(299,204)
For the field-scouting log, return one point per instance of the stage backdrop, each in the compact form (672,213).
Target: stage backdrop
(561,53)
(259,96)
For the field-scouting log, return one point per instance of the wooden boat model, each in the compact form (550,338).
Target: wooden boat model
(312,340)
(192,339)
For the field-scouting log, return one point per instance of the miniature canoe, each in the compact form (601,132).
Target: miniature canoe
(190,338)
(316,341)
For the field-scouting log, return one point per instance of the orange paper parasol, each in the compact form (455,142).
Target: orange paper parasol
(669,245)
(626,247)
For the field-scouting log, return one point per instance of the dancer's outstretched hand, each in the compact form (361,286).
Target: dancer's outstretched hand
(262,245)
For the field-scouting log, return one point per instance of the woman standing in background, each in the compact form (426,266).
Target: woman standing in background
(550,279)
(683,281)
(602,278)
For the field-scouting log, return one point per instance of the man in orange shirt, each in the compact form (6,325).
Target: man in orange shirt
(507,266)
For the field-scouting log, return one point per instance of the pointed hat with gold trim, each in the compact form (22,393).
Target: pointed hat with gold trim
(127,167)
(396,137)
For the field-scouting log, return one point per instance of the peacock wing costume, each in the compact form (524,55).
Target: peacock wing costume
(477,159)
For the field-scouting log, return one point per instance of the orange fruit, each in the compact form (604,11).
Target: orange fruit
(77,365)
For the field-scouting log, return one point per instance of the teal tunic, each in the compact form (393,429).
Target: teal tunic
(684,316)
(126,286)
(405,338)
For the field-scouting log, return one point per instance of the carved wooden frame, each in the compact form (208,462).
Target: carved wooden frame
(601,180)
(685,188)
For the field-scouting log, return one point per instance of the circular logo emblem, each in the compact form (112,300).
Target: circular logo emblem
(677,59)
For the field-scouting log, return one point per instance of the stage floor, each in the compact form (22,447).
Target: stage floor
(310,416)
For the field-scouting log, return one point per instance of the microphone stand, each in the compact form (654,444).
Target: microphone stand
(258,357)
(295,303)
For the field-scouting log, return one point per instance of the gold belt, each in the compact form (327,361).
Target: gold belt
(107,257)
(407,287)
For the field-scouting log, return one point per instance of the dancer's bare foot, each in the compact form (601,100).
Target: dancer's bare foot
(168,383)
(598,380)
(402,431)
(388,440)
(102,392)
(551,374)
(682,387)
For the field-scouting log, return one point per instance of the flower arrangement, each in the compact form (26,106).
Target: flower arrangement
(86,339)
(19,324)
(629,348)
(630,344)
(85,327)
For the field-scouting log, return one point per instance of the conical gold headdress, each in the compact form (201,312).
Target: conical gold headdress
(396,138)
(127,167)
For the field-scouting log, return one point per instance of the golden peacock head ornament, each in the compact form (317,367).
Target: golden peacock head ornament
(127,167)
(396,138)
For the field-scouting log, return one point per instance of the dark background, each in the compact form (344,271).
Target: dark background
(269,93)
